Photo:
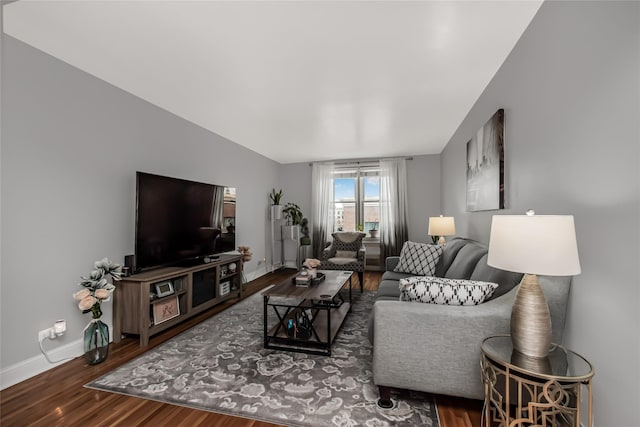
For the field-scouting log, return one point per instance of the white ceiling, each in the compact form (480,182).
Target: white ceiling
(294,81)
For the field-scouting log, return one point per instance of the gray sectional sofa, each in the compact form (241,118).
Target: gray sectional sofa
(436,348)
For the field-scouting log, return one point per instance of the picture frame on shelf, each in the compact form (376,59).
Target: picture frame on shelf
(166,310)
(164,289)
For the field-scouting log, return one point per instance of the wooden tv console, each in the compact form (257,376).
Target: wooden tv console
(138,310)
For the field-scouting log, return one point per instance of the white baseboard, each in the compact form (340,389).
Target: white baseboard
(255,274)
(35,365)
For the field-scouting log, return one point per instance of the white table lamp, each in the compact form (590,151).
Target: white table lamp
(533,244)
(441,226)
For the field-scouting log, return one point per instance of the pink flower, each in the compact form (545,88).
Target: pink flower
(246,253)
(102,293)
(87,302)
(81,294)
(311,263)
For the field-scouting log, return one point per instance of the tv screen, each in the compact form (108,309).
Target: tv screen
(180,222)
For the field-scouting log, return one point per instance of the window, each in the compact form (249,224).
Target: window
(356,199)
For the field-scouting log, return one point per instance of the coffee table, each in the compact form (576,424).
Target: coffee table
(308,317)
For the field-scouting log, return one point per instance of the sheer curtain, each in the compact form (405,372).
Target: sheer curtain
(321,205)
(393,206)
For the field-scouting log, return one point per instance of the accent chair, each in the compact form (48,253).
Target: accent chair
(345,252)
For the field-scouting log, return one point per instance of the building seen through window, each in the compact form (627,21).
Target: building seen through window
(356,200)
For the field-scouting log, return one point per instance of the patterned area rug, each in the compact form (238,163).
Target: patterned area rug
(220,365)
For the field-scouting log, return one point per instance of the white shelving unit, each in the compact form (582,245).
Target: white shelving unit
(291,246)
(277,246)
(285,243)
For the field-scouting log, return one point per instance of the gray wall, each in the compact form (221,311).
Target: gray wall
(423,188)
(571,91)
(71,145)
(295,182)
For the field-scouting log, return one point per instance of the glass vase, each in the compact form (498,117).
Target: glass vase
(96,342)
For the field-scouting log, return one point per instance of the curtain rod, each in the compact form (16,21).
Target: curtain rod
(359,162)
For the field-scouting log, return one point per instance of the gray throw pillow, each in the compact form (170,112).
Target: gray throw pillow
(345,254)
(418,258)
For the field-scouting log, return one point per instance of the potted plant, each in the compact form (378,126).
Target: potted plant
(373,232)
(293,214)
(276,208)
(294,217)
(305,240)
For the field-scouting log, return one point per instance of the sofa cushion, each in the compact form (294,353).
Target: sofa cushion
(449,253)
(388,288)
(465,261)
(506,280)
(438,290)
(392,275)
(418,258)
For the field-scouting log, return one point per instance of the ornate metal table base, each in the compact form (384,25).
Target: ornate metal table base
(523,391)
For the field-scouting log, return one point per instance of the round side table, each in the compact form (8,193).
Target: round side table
(521,390)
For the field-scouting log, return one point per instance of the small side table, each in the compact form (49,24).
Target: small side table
(520,390)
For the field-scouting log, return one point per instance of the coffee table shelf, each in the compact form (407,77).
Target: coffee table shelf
(322,305)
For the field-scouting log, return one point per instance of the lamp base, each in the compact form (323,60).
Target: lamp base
(539,365)
(530,319)
(442,240)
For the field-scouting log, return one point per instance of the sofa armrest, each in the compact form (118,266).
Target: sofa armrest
(391,262)
(435,348)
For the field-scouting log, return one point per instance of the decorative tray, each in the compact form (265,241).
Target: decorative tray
(319,279)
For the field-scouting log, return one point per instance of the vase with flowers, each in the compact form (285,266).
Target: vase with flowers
(96,290)
(246,253)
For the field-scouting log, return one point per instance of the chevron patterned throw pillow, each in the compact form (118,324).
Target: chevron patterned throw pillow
(439,290)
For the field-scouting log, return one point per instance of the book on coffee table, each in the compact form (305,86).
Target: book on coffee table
(303,280)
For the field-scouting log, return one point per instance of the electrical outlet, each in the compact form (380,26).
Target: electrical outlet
(46,333)
(60,327)
(262,261)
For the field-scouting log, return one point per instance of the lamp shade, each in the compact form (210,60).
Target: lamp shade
(441,226)
(534,244)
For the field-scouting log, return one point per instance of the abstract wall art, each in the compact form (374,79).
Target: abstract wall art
(485,166)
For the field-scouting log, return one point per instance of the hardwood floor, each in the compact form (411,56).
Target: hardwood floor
(57,397)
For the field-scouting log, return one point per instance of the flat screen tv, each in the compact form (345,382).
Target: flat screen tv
(180,222)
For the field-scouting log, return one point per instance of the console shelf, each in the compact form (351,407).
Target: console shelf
(195,289)
(167,298)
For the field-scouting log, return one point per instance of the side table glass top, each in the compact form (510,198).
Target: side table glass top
(560,364)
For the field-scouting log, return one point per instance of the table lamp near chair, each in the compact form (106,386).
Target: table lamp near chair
(533,244)
(440,226)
